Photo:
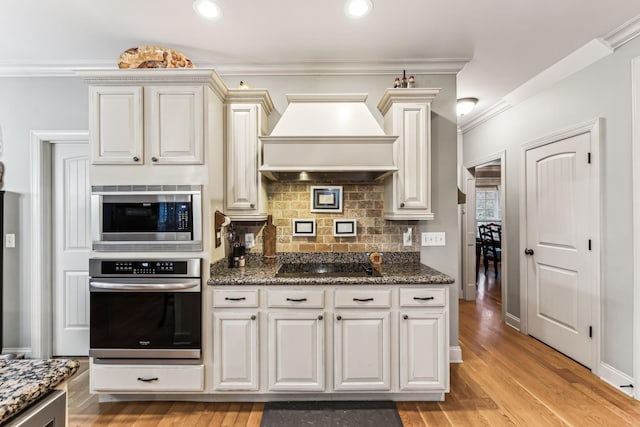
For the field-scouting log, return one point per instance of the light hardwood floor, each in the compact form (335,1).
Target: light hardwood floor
(507,379)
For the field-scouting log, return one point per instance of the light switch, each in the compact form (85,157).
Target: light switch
(10,240)
(433,239)
(249,240)
(407,239)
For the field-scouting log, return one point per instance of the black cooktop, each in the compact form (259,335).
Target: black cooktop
(338,269)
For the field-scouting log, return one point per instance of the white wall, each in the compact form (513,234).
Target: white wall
(28,104)
(601,90)
(61,104)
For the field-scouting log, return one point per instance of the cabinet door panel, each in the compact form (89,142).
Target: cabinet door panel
(296,351)
(116,124)
(413,181)
(176,124)
(361,347)
(423,361)
(235,351)
(242,157)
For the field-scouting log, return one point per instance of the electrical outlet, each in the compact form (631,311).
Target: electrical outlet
(10,241)
(249,240)
(433,239)
(407,239)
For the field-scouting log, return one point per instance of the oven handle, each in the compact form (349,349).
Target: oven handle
(150,287)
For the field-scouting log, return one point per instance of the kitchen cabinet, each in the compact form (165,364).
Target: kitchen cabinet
(361,350)
(246,120)
(150,117)
(407,114)
(235,340)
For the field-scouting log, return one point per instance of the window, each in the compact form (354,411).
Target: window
(488,204)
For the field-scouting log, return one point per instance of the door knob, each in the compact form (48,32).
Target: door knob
(528,251)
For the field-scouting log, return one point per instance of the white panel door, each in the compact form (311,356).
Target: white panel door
(296,351)
(560,268)
(176,124)
(235,351)
(361,351)
(470,253)
(413,156)
(242,157)
(423,363)
(71,245)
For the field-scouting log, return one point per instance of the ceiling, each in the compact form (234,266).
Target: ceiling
(503,43)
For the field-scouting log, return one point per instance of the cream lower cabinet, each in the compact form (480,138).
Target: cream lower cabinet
(236,351)
(361,350)
(296,351)
(422,365)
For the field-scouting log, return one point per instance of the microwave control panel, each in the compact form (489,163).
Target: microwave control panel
(143,267)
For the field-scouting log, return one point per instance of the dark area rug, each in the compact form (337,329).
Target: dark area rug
(331,414)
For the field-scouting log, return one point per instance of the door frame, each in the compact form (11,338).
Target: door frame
(635,149)
(502,156)
(594,128)
(42,235)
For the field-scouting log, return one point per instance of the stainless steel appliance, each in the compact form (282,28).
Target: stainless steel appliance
(147,309)
(146,217)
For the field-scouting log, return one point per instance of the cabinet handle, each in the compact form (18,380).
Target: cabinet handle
(320,317)
(136,158)
(147,380)
(423,298)
(296,299)
(253,317)
(339,317)
(235,298)
(154,159)
(363,299)
(402,205)
(405,317)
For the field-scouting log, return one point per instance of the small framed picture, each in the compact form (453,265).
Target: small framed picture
(344,227)
(326,199)
(304,227)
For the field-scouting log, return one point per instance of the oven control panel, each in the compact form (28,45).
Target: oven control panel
(141,267)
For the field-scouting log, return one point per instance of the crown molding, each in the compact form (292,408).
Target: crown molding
(315,68)
(484,116)
(624,33)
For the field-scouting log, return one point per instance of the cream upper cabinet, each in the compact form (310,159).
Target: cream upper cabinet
(246,121)
(407,114)
(139,117)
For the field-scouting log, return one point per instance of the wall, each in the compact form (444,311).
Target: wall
(601,90)
(59,103)
(30,104)
(361,201)
(443,150)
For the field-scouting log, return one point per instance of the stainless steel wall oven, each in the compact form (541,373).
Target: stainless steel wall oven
(146,217)
(148,309)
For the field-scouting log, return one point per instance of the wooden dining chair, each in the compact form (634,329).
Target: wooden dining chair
(491,240)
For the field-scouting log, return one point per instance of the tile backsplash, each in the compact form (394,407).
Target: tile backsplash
(364,202)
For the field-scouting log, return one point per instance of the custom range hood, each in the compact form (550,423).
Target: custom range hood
(329,137)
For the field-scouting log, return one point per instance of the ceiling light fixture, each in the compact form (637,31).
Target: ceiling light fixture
(358,8)
(465,105)
(207,9)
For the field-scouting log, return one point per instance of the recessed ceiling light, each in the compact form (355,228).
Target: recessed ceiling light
(207,8)
(465,105)
(358,8)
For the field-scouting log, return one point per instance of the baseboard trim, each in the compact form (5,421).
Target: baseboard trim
(470,292)
(26,351)
(616,378)
(455,354)
(512,321)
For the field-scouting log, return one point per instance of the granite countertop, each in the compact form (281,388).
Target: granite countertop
(400,270)
(24,381)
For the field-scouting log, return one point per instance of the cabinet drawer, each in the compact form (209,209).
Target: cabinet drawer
(296,298)
(145,378)
(235,298)
(350,298)
(422,297)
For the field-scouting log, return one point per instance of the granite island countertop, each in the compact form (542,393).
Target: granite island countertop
(406,270)
(24,381)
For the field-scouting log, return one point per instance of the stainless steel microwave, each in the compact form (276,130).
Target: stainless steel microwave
(146,217)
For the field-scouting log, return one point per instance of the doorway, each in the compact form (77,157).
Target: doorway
(485,205)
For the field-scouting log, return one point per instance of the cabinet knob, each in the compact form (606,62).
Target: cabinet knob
(528,251)
(253,317)
(339,317)
(402,205)
(405,317)
(136,158)
(154,159)
(320,317)
(252,205)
